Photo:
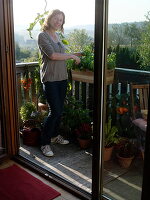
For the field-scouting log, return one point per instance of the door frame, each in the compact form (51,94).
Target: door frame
(9,98)
(101,21)
(7,78)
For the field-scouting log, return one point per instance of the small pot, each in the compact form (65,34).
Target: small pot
(84,143)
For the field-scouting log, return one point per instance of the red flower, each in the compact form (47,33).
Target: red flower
(26,83)
(122,110)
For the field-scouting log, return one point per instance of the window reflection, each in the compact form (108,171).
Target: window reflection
(127,37)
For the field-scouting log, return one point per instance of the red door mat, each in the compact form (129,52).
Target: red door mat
(17,184)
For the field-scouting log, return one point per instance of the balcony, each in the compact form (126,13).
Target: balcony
(70,162)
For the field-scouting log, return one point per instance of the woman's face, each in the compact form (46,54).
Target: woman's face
(56,22)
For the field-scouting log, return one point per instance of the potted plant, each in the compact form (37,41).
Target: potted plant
(111,138)
(74,116)
(31,125)
(84,71)
(84,133)
(126,154)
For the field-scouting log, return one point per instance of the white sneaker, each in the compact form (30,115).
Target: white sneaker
(59,140)
(46,150)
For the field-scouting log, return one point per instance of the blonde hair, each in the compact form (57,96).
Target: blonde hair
(46,25)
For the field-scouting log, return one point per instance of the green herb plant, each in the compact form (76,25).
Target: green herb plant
(111,60)
(74,114)
(110,132)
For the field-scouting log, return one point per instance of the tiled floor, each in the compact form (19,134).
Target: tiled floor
(64,195)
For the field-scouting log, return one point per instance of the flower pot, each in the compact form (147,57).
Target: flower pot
(84,143)
(108,153)
(31,137)
(124,162)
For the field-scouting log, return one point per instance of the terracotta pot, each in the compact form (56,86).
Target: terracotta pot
(31,137)
(84,143)
(108,153)
(124,162)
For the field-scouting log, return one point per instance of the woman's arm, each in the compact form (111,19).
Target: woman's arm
(47,48)
(64,56)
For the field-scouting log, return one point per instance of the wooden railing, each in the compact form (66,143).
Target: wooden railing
(25,71)
(81,90)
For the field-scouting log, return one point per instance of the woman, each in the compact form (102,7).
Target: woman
(54,77)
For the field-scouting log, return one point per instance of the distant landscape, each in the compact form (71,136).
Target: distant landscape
(23,39)
(22,35)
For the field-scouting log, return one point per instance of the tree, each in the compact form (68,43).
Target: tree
(118,33)
(78,40)
(144,47)
(132,33)
(17,51)
(24,55)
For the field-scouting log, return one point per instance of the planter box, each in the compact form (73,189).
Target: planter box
(88,76)
(83,76)
(110,76)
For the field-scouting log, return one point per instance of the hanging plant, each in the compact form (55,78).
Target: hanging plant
(39,19)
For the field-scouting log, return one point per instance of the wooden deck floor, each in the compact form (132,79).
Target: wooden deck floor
(75,166)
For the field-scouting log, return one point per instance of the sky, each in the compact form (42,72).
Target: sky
(81,12)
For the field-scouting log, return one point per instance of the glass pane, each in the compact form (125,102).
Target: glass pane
(127,98)
(70,162)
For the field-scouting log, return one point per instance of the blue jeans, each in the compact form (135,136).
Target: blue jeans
(55,93)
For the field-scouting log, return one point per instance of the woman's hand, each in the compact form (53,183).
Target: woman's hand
(77,59)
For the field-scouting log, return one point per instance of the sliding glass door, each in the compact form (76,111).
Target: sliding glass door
(127,99)
(82,171)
